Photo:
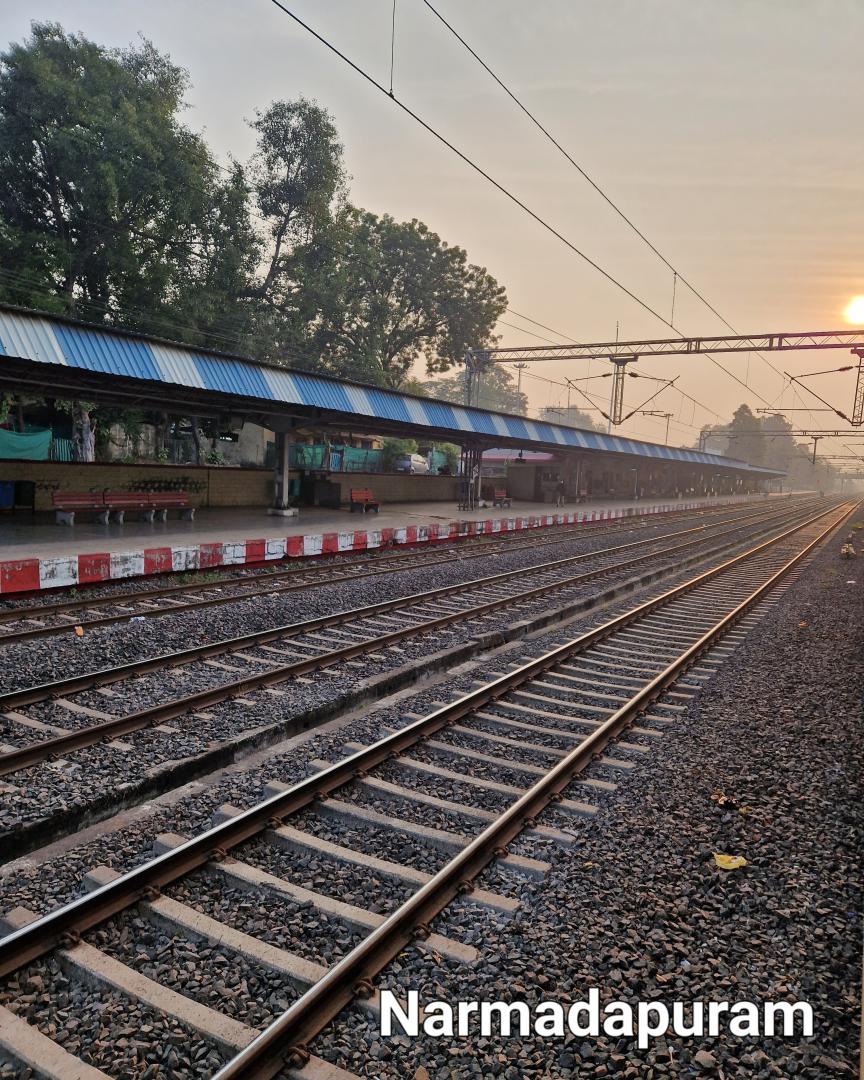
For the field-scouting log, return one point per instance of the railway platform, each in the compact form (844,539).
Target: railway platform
(36,553)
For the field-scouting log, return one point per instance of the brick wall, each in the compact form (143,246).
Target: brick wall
(215,486)
(399,487)
(206,486)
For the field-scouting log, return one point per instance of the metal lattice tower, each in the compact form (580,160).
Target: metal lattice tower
(858,406)
(616,405)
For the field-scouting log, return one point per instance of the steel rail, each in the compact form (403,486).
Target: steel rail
(79,738)
(382,564)
(64,926)
(383,556)
(106,676)
(261,584)
(286,1040)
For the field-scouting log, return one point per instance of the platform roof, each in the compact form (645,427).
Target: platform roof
(48,354)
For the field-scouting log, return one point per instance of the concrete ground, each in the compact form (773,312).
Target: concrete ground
(36,536)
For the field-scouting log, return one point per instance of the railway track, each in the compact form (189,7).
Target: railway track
(279,654)
(594,705)
(28,622)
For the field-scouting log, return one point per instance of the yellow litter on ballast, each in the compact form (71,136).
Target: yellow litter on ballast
(730,862)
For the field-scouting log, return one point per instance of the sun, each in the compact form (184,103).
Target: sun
(854,312)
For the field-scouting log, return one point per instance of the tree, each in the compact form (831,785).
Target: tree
(497,390)
(84,427)
(298,179)
(746,446)
(112,210)
(110,207)
(394,293)
(393,449)
(571,416)
(775,448)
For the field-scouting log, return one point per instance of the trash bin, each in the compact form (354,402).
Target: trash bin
(25,495)
(327,494)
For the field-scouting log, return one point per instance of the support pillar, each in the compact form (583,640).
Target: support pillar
(469,477)
(280,507)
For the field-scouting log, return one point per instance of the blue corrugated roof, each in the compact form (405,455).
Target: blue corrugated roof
(230,376)
(49,339)
(108,353)
(389,406)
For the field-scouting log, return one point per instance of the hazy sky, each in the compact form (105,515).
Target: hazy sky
(728,130)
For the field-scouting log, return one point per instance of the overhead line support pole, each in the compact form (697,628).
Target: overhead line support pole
(616,401)
(858,407)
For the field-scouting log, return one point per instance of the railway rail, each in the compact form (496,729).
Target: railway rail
(359,631)
(551,722)
(190,596)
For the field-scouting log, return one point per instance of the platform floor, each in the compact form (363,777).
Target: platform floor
(37,536)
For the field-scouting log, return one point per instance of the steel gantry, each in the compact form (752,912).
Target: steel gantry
(733,433)
(682,346)
(622,353)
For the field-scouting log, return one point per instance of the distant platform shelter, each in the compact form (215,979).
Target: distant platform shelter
(49,355)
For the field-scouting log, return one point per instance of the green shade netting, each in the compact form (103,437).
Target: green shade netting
(25,446)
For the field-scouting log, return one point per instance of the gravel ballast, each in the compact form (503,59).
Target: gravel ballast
(638,908)
(94,780)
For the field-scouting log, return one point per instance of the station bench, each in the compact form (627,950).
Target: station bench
(363,500)
(501,498)
(104,504)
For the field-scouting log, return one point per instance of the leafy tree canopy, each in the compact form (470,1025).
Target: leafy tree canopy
(112,209)
(393,293)
(498,390)
(571,416)
(775,448)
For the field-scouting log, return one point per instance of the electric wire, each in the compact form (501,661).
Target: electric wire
(497,185)
(624,217)
(543,326)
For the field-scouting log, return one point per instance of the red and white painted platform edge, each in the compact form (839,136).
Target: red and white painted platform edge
(27,575)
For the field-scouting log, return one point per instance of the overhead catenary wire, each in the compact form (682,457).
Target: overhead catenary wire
(543,326)
(468,161)
(193,250)
(497,184)
(473,165)
(530,333)
(607,198)
(804,386)
(365,75)
(392,46)
(689,397)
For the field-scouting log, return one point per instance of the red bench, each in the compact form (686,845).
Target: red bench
(501,498)
(363,500)
(105,503)
(173,500)
(68,503)
(118,502)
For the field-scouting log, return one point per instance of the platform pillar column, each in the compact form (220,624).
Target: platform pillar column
(280,505)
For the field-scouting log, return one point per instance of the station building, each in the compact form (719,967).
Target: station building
(55,357)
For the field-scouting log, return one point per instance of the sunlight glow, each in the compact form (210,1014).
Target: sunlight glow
(854,312)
